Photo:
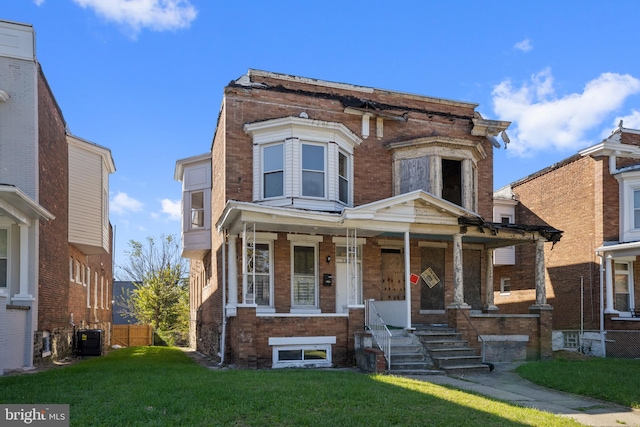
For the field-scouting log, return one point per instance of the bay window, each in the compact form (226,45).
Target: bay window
(303,163)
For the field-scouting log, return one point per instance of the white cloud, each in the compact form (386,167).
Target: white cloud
(122,204)
(38,2)
(543,121)
(172,208)
(630,121)
(157,15)
(525,45)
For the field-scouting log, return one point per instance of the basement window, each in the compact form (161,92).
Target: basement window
(571,340)
(309,352)
(46,344)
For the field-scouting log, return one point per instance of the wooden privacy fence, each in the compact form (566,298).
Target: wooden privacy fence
(131,335)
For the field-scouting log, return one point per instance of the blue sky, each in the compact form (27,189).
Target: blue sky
(145,77)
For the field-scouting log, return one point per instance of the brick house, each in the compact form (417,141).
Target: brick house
(593,272)
(55,236)
(323,208)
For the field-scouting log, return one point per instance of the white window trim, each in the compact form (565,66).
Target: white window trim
(261,239)
(630,281)
(438,149)
(88,287)
(71,264)
(502,283)
(325,172)
(302,343)
(629,182)
(307,241)
(78,274)
(260,190)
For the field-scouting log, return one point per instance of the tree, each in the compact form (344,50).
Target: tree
(161,294)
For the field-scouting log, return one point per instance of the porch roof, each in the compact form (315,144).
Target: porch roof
(421,214)
(620,249)
(21,208)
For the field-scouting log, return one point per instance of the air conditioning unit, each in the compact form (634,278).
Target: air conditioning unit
(89,342)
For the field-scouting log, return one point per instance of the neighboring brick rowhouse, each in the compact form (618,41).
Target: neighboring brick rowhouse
(53,289)
(59,295)
(564,196)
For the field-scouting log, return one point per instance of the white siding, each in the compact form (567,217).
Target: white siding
(86,197)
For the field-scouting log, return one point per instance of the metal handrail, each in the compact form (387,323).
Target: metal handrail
(474,329)
(381,334)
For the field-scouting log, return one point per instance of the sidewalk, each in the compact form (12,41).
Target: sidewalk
(504,384)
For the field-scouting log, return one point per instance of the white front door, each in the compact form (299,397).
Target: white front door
(342,293)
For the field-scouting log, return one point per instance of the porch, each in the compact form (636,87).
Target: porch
(299,280)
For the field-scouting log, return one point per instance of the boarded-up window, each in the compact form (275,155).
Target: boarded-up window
(414,175)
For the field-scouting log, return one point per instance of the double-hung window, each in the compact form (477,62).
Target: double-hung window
(259,273)
(343,178)
(313,170)
(273,171)
(197,209)
(4,257)
(623,288)
(636,209)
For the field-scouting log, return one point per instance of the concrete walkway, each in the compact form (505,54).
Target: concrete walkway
(504,384)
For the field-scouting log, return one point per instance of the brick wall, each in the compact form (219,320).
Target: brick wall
(53,287)
(232,179)
(568,198)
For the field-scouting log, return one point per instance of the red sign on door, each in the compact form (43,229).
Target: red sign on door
(414,279)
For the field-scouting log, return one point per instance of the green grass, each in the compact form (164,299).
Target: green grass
(159,386)
(613,380)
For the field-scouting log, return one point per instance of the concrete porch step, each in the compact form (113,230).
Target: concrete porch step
(447,343)
(478,368)
(452,352)
(403,366)
(448,361)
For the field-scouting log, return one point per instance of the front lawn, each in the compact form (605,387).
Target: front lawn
(613,380)
(159,386)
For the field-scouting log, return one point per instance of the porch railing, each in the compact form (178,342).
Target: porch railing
(381,334)
(476,331)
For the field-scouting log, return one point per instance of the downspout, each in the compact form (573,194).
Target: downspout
(223,340)
(602,306)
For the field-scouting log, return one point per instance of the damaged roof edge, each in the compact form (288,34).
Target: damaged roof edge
(346,86)
(549,233)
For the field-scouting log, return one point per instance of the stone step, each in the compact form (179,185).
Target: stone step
(415,349)
(410,366)
(405,372)
(448,361)
(432,345)
(452,352)
(438,336)
(408,357)
(478,368)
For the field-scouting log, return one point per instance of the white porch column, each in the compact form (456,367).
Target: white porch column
(609,284)
(541,292)
(24,294)
(488,288)
(232,296)
(407,277)
(458,285)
